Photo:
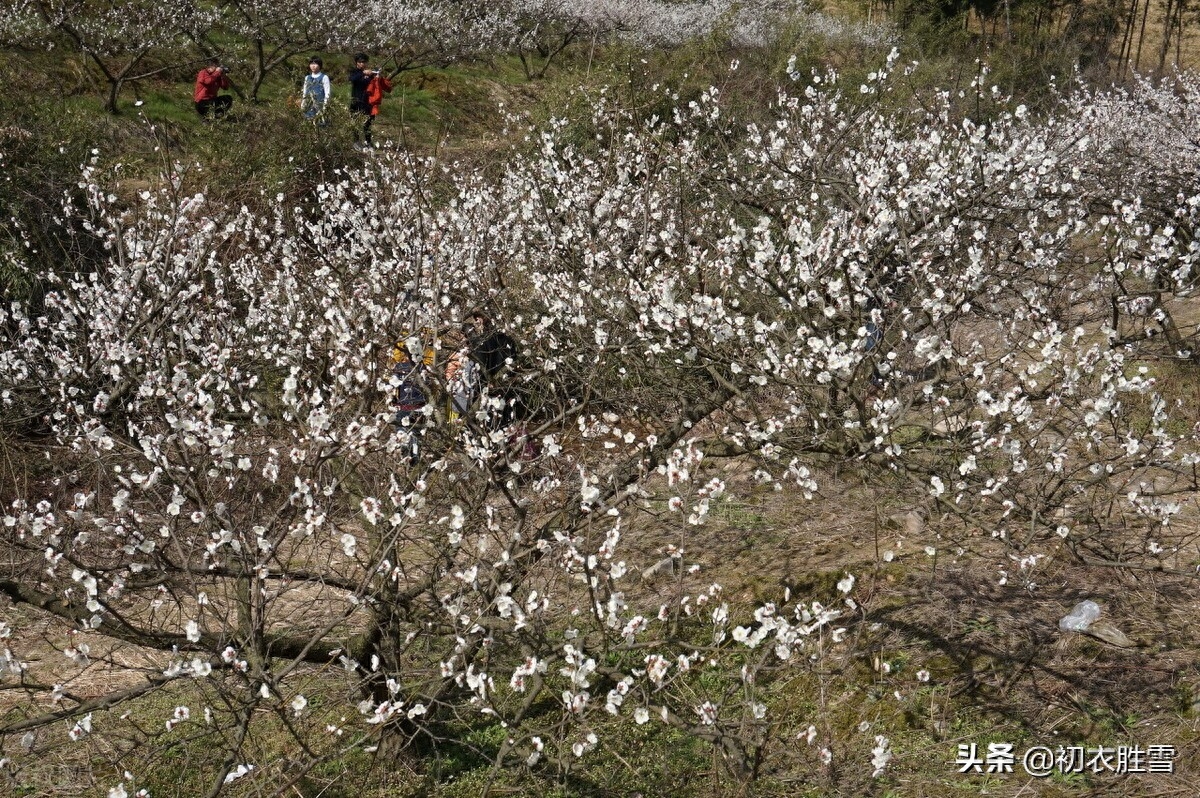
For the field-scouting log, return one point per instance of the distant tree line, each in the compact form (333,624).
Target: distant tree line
(127,42)
(1115,37)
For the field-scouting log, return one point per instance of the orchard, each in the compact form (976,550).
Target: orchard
(948,331)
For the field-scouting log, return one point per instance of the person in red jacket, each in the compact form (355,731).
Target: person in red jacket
(209,82)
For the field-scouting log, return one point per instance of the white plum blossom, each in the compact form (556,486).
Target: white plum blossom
(881,755)
(238,772)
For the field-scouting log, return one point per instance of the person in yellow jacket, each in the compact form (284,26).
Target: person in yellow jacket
(408,344)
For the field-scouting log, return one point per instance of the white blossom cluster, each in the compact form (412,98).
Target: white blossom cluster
(108,29)
(652,22)
(20,24)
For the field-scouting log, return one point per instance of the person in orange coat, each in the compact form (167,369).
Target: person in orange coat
(209,82)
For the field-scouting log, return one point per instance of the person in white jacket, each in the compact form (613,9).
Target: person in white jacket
(462,375)
(314,95)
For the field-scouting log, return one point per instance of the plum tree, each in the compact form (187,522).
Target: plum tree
(117,37)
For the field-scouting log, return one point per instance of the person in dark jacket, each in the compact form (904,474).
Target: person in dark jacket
(492,348)
(367,87)
(409,399)
(207,97)
(496,353)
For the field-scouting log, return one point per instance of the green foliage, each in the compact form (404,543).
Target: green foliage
(259,152)
(45,144)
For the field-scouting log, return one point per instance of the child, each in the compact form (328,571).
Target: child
(314,95)
(409,399)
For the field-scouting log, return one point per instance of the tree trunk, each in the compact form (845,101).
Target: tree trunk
(1180,11)
(1166,39)
(1137,61)
(1126,49)
(114,89)
(260,70)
